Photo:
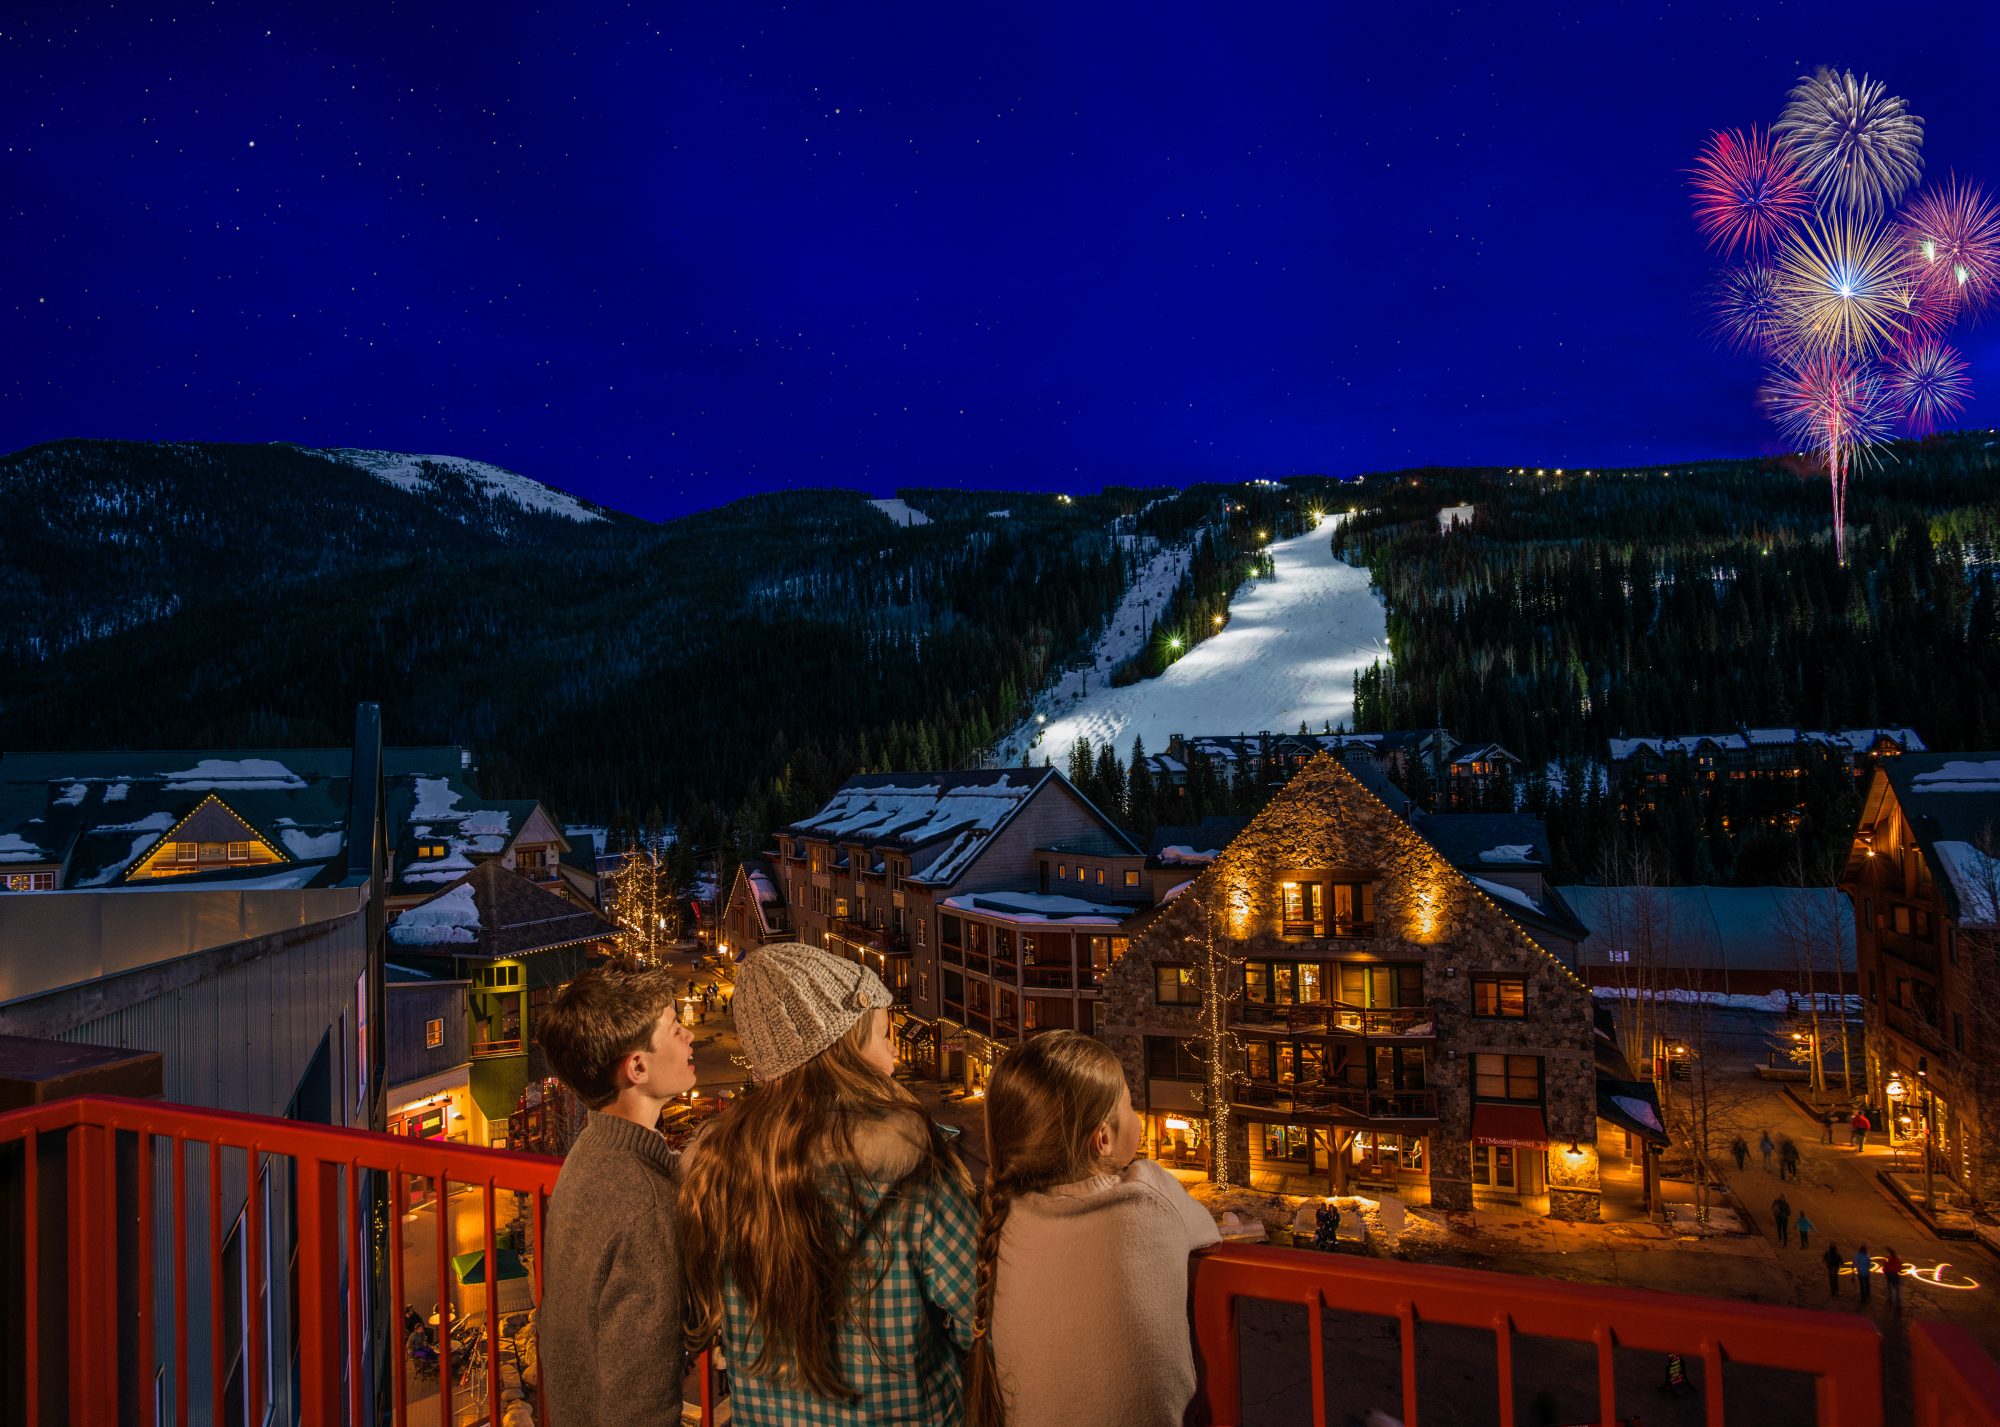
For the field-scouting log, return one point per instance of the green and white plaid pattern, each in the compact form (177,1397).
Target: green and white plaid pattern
(906,1365)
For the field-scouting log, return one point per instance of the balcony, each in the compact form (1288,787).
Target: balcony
(1049,978)
(1321,930)
(884,940)
(116,1281)
(1908,1024)
(1917,951)
(486,1050)
(951,955)
(1336,1018)
(1346,1104)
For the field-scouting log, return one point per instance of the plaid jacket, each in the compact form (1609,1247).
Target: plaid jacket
(906,1365)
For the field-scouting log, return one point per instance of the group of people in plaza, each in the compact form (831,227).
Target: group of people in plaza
(1862,1263)
(823,1236)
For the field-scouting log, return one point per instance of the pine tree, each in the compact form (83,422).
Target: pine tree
(1109,792)
(1082,764)
(1141,808)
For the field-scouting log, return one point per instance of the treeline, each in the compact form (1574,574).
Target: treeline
(1583,607)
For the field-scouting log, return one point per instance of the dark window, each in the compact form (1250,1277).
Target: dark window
(951,929)
(1171,1058)
(1957,1031)
(1499,996)
(1175,986)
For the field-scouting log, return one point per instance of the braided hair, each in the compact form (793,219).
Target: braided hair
(1044,1104)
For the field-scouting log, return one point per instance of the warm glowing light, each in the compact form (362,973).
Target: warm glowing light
(1174,1122)
(1174,642)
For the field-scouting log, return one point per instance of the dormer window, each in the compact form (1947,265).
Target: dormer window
(428,850)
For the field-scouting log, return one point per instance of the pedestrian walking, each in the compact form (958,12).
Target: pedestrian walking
(1826,1126)
(1805,1227)
(1892,1278)
(1857,1130)
(1788,1160)
(1781,1215)
(1834,1263)
(1863,1266)
(1764,1147)
(1741,1151)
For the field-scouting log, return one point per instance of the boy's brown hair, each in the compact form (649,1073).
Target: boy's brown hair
(600,1018)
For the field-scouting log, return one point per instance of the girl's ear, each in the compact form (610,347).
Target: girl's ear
(1100,1140)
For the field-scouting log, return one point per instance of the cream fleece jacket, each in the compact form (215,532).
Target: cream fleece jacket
(1090,1320)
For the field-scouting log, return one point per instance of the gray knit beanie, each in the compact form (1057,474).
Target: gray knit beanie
(793,1001)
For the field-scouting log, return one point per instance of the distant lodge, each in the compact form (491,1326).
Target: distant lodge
(1437,769)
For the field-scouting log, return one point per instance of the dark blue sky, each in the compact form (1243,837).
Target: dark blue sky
(664,256)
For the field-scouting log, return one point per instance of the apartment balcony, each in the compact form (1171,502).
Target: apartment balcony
(114,1237)
(1906,1023)
(1048,978)
(489,1050)
(1324,928)
(952,955)
(1322,1018)
(1321,1102)
(885,940)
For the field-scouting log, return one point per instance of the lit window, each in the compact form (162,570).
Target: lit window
(433,1034)
(1499,996)
(239,852)
(187,851)
(1175,986)
(1062,872)
(1131,877)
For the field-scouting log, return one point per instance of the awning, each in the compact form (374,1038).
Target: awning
(1631,1105)
(1519,1126)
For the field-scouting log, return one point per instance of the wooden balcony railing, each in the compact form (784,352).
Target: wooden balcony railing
(1334,1101)
(480,1049)
(1336,1018)
(1048,978)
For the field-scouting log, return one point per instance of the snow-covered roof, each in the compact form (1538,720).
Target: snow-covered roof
(1724,928)
(235,775)
(1643,1111)
(448,917)
(1851,740)
(1028,907)
(765,889)
(1960,775)
(1505,893)
(1510,852)
(1975,877)
(1175,853)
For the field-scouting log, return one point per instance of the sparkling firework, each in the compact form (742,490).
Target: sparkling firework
(1747,190)
(1826,403)
(1846,287)
(1858,146)
(1954,233)
(1746,312)
(1928,383)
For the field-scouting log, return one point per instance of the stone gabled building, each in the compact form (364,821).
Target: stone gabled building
(1388,1023)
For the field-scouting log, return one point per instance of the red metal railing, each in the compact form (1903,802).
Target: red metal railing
(1841,1351)
(349,1191)
(112,1153)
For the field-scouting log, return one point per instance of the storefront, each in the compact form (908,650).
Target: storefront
(1509,1153)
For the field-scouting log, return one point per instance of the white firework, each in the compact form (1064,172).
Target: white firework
(1858,145)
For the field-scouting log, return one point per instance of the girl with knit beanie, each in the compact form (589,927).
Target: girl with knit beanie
(828,1227)
(1081,1246)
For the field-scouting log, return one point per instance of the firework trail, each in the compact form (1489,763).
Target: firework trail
(1858,146)
(1927,383)
(1954,233)
(1838,407)
(1747,190)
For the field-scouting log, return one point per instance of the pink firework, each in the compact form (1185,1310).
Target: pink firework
(1928,383)
(1747,190)
(1955,234)
(1835,406)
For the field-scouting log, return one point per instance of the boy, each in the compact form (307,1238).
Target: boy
(610,1320)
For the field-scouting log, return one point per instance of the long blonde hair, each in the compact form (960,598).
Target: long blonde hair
(755,1213)
(1043,1105)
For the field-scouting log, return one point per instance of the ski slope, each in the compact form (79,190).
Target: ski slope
(1288,655)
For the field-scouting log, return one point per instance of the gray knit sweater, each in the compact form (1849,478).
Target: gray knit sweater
(610,1323)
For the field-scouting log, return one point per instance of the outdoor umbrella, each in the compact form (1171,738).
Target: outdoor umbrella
(471,1268)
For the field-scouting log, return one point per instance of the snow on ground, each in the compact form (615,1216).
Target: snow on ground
(899,513)
(407,473)
(1454,515)
(1287,656)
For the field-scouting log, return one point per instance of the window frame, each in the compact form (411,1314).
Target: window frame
(1183,974)
(1500,986)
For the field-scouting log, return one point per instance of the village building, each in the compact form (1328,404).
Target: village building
(512,944)
(991,903)
(1922,877)
(754,911)
(1388,1023)
(1457,776)
(1642,768)
(1777,945)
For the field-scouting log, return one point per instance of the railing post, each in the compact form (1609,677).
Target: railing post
(319,1286)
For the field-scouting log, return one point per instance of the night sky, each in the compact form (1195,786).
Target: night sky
(666,256)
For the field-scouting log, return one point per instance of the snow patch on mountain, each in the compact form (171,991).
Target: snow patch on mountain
(406,472)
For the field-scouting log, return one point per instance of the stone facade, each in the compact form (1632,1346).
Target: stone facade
(1326,828)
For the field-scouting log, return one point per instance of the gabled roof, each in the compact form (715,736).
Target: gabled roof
(1745,929)
(1951,802)
(956,815)
(495,913)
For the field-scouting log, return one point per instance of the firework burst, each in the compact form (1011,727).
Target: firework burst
(1954,233)
(1747,190)
(1837,407)
(1927,383)
(1845,286)
(1746,312)
(1858,145)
